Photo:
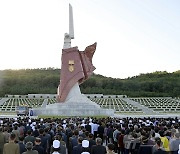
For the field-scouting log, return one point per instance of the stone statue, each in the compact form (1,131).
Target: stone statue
(76,66)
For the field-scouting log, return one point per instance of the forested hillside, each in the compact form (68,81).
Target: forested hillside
(46,81)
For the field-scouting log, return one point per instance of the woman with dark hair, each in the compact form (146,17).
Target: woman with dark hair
(110,148)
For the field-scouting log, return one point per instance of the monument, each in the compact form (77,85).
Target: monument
(76,65)
(76,68)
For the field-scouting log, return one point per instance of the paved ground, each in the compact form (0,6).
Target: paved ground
(14,116)
(144,115)
(116,115)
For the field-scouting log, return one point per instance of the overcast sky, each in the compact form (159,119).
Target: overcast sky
(133,36)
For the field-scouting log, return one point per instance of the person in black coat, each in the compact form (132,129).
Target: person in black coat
(78,149)
(88,127)
(91,141)
(22,147)
(38,147)
(100,131)
(98,148)
(44,140)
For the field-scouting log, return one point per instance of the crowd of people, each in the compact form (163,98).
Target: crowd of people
(75,135)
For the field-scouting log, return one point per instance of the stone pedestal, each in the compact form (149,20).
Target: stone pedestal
(73,109)
(81,109)
(76,104)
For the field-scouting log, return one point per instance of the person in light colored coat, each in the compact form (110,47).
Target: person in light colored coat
(11,147)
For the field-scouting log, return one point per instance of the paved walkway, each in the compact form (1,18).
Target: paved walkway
(147,115)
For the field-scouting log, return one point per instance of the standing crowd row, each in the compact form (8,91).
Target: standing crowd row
(89,136)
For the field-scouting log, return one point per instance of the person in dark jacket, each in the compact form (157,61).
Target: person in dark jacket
(157,149)
(29,146)
(98,148)
(74,139)
(91,141)
(29,137)
(88,127)
(100,131)
(38,147)
(22,147)
(44,140)
(77,149)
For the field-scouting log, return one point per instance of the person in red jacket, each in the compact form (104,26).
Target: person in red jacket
(120,142)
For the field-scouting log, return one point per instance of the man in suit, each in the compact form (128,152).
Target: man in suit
(38,147)
(88,127)
(91,141)
(98,148)
(22,147)
(11,147)
(77,149)
(29,137)
(74,139)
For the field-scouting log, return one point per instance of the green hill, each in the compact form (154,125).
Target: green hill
(28,81)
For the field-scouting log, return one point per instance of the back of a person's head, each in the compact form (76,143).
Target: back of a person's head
(21,138)
(98,140)
(156,130)
(12,136)
(110,146)
(127,132)
(161,133)
(177,135)
(29,132)
(122,131)
(38,140)
(86,133)
(80,139)
(29,146)
(76,132)
(46,130)
(91,135)
(41,131)
(158,141)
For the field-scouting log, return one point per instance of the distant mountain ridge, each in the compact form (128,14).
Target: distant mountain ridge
(46,80)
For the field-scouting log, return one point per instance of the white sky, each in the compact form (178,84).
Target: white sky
(133,36)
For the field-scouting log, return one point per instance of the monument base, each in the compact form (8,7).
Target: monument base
(73,109)
(76,104)
(81,107)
